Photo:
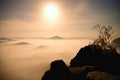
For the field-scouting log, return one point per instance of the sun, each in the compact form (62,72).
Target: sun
(51,12)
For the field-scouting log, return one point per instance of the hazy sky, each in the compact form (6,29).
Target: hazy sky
(25,18)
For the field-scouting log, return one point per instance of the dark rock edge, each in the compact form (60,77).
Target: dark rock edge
(91,63)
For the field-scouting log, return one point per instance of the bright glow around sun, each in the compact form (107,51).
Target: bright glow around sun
(51,11)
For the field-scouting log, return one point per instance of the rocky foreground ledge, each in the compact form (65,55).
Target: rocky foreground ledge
(91,63)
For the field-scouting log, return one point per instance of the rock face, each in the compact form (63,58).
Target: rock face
(102,59)
(58,71)
(79,73)
(91,63)
(98,75)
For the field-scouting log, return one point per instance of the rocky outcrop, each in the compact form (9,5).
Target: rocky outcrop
(91,63)
(102,59)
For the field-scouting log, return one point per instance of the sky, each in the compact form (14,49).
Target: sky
(76,18)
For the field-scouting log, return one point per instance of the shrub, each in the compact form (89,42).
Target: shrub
(105,35)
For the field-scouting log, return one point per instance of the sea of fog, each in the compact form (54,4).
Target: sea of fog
(28,59)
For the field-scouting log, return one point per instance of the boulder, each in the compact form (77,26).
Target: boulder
(79,73)
(58,71)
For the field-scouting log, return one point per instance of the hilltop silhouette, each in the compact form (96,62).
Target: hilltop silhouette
(22,43)
(3,39)
(56,37)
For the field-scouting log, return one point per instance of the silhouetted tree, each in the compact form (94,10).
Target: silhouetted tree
(105,35)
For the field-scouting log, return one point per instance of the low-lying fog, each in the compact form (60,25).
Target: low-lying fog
(28,59)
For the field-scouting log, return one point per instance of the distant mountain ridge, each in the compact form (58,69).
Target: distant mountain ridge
(117,40)
(56,37)
(3,39)
(116,43)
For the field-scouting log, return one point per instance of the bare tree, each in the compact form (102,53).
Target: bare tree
(105,35)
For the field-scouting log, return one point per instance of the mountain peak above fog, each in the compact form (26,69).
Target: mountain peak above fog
(117,40)
(56,37)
